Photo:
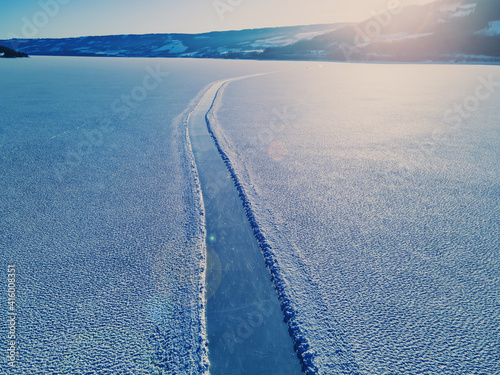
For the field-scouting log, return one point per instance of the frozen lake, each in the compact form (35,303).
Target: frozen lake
(101,214)
(372,190)
(377,188)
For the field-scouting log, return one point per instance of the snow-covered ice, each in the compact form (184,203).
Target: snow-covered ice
(101,213)
(376,195)
(100,217)
(372,190)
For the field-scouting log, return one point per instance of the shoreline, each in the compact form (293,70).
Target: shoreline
(430,62)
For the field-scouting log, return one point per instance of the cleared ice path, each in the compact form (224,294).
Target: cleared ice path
(245,327)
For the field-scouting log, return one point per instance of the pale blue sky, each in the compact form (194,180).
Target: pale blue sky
(67,18)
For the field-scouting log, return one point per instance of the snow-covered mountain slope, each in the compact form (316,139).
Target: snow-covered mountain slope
(439,31)
(214,44)
(444,30)
(447,13)
(493,29)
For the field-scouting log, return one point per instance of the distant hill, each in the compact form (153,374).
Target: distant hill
(446,30)
(442,31)
(8,52)
(225,44)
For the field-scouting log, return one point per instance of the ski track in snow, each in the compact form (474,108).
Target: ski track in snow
(344,360)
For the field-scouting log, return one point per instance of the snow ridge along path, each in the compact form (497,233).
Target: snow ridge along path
(344,361)
(235,345)
(245,328)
